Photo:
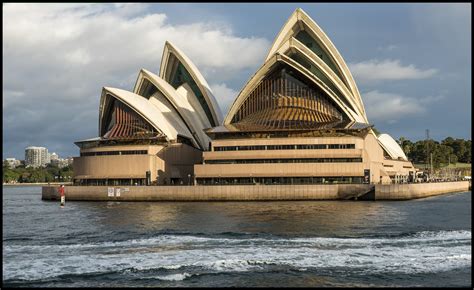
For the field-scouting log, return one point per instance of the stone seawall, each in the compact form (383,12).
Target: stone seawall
(417,190)
(252,192)
(208,193)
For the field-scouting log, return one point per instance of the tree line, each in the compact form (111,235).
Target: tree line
(50,173)
(448,151)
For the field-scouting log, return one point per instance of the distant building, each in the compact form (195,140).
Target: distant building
(61,162)
(36,156)
(12,162)
(56,162)
(54,156)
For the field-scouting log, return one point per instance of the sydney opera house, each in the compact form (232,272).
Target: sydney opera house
(299,119)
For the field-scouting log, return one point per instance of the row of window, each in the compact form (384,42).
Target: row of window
(114,182)
(292,160)
(127,152)
(279,180)
(284,147)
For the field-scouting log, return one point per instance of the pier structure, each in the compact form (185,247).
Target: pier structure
(255,192)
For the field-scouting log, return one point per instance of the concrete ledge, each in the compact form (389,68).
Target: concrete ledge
(207,193)
(252,192)
(417,190)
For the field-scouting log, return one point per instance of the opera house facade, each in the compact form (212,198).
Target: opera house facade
(299,119)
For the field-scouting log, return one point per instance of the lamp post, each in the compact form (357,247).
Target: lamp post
(189,179)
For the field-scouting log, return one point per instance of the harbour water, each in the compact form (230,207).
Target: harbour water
(423,242)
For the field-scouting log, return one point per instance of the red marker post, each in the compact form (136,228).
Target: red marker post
(61,194)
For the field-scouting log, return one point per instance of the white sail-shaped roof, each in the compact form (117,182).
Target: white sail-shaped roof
(299,21)
(171,59)
(266,68)
(391,147)
(304,46)
(157,112)
(294,48)
(185,111)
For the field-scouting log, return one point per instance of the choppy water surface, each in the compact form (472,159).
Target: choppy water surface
(425,242)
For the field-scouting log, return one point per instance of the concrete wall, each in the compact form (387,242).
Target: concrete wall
(273,154)
(366,147)
(279,169)
(284,169)
(417,190)
(254,192)
(178,162)
(381,168)
(118,166)
(208,193)
(164,162)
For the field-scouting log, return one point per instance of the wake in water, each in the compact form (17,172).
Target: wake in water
(171,257)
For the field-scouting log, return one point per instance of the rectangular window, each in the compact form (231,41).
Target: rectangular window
(281,180)
(285,147)
(288,160)
(103,153)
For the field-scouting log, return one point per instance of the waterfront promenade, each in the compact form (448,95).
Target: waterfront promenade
(37,183)
(256,192)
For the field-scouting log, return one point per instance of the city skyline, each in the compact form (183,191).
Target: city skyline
(392,50)
(38,156)
(22,158)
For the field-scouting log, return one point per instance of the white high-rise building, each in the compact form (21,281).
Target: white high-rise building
(36,156)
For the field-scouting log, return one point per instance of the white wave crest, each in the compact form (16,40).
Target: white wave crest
(174,277)
(422,252)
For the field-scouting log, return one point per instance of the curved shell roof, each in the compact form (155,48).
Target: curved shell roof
(193,119)
(173,106)
(391,146)
(300,21)
(157,113)
(262,72)
(321,71)
(301,39)
(172,53)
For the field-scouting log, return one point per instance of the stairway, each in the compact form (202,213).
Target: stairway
(368,194)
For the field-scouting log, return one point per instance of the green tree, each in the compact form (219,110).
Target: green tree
(6,165)
(467,153)
(453,159)
(459,148)
(448,142)
(30,174)
(25,176)
(10,175)
(441,155)
(405,144)
(418,153)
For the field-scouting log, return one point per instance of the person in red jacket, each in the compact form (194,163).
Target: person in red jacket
(61,194)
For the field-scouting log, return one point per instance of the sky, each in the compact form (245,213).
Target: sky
(411,62)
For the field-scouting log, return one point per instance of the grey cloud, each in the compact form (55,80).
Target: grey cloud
(377,70)
(58,57)
(389,107)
